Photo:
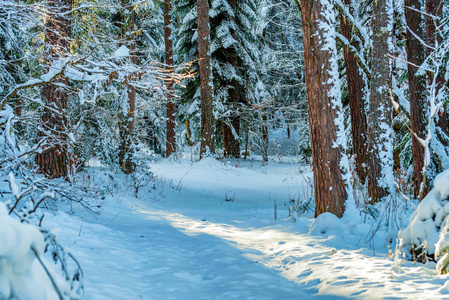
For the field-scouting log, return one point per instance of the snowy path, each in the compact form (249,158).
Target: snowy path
(191,244)
(142,257)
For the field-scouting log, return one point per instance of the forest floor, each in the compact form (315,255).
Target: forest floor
(207,230)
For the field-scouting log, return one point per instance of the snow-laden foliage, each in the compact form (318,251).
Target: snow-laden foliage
(25,247)
(21,275)
(18,55)
(233,35)
(427,233)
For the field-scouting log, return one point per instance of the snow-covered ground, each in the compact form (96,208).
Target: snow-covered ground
(207,230)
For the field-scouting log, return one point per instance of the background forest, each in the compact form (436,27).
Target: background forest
(355,88)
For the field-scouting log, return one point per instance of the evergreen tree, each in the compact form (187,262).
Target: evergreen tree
(380,141)
(233,55)
(330,169)
(57,158)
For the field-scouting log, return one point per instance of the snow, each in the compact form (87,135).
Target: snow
(423,233)
(181,237)
(325,223)
(13,186)
(121,52)
(21,275)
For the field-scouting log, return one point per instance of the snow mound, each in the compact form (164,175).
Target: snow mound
(21,275)
(123,51)
(325,223)
(428,228)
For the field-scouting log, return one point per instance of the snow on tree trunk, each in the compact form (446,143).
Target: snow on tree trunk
(434,15)
(171,106)
(356,88)
(127,124)
(207,116)
(231,145)
(330,166)
(380,139)
(57,158)
(417,87)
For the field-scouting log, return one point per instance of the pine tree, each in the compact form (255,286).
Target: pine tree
(417,87)
(126,126)
(56,159)
(233,52)
(324,98)
(380,171)
(207,117)
(357,90)
(171,106)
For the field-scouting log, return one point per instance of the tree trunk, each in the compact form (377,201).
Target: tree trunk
(56,160)
(264,135)
(126,131)
(417,87)
(356,86)
(434,11)
(320,60)
(171,106)
(188,133)
(207,116)
(231,145)
(380,171)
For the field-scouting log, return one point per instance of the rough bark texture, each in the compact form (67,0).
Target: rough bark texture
(171,106)
(356,103)
(231,145)
(207,116)
(188,133)
(417,86)
(56,160)
(435,8)
(330,190)
(379,115)
(264,136)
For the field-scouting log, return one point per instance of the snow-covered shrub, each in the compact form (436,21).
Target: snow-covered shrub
(427,232)
(25,272)
(21,276)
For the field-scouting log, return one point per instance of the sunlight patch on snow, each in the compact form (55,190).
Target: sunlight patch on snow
(305,260)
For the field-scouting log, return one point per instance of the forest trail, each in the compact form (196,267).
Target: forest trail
(140,254)
(187,242)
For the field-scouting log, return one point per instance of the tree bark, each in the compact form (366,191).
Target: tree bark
(127,127)
(57,159)
(380,171)
(264,135)
(231,145)
(417,87)
(330,189)
(434,11)
(434,15)
(207,116)
(171,106)
(356,86)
